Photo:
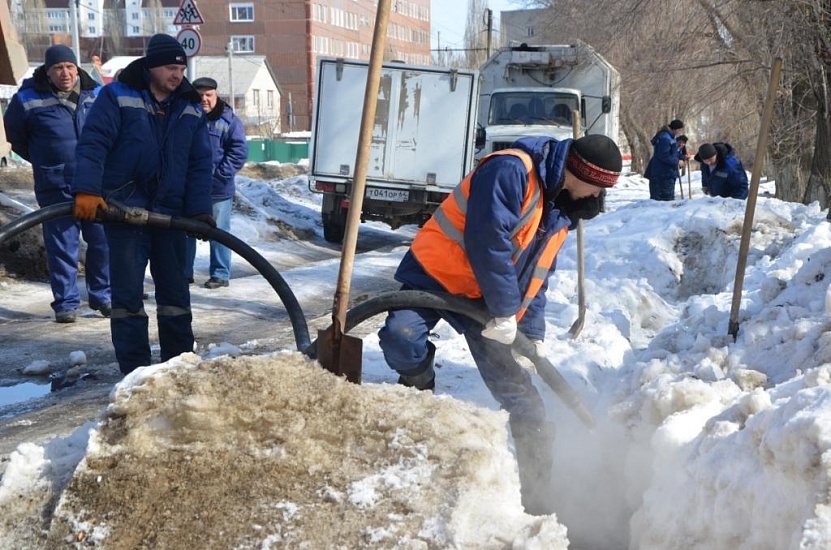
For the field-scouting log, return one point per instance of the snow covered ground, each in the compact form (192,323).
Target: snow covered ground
(702,442)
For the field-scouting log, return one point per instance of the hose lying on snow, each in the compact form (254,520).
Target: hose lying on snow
(406,299)
(139,216)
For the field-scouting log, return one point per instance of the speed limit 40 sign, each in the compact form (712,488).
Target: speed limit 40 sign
(190,40)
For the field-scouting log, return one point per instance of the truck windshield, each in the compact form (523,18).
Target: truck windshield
(535,108)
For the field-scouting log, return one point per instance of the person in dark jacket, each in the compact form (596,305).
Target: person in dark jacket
(146,144)
(496,239)
(722,173)
(230,151)
(43,122)
(662,170)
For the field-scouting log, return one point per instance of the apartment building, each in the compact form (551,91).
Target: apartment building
(291,34)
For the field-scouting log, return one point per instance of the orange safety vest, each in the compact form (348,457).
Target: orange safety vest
(440,248)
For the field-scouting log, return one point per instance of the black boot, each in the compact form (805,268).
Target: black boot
(422,377)
(534,440)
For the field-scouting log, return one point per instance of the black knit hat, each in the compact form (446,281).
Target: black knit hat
(707,150)
(163,49)
(676,125)
(595,159)
(59,54)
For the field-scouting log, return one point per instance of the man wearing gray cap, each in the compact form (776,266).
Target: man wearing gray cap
(146,145)
(43,122)
(230,151)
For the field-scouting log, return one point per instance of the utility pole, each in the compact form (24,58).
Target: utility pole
(76,40)
(489,20)
(231,74)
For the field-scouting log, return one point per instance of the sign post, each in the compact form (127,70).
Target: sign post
(188,16)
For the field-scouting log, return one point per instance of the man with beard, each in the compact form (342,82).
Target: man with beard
(495,239)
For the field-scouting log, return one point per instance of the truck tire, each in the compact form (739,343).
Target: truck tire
(334,219)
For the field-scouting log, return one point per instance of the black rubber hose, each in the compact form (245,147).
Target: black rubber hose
(407,299)
(140,216)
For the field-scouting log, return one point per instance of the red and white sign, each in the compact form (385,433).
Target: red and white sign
(190,40)
(188,14)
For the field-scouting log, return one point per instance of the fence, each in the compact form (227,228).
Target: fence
(262,150)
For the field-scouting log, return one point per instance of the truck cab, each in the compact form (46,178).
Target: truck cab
(534,90)
(513,113)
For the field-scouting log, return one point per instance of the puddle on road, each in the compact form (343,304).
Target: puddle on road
(11,395)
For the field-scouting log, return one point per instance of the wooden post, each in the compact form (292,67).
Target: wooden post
(761,148)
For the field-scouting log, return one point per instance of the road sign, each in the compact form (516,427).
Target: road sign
(190,40)
(188,14)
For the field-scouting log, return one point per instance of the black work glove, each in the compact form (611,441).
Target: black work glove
(581,209)
(204,218)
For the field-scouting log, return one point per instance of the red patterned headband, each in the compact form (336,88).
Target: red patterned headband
(588,172)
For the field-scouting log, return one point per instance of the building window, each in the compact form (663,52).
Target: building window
(269,98)
(92,30)
(134,16)
(529,31)
(91,16)
(241,12)
(243,44)
(135,29)
(255,95)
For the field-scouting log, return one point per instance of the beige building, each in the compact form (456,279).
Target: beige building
(292,33)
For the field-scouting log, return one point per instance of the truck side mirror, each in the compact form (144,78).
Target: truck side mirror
(480,138)
(606,104)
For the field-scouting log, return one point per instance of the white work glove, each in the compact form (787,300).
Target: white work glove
(501,329)
(538,348)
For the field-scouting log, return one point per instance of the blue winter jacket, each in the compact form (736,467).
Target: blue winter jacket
(496,195)
(230,149)
(44,130)
(130,152)
(663,166)
(727,178)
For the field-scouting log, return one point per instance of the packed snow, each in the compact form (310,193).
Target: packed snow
(702,442)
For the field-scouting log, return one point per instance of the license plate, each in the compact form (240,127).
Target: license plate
(395,195)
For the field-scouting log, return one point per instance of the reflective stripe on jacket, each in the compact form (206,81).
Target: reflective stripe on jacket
(440,249)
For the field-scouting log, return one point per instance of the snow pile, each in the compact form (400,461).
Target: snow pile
(261,452)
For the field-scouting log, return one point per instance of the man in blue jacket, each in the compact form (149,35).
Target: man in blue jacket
(146,144)
(496,239)
(230,151)
(722,173)
(43,122)
(662,170)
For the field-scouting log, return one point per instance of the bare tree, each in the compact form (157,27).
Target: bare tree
(475,34)
(708,63)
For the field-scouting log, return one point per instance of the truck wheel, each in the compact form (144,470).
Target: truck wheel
(334,219)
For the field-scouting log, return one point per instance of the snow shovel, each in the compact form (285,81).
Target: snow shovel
(761,149)
(577,326)
(337,352)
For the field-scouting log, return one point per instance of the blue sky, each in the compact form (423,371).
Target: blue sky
(449,18)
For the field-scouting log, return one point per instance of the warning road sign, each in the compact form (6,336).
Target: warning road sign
(188,14)
(190,40)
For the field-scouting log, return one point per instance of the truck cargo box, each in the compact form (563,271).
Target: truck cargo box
(422,139)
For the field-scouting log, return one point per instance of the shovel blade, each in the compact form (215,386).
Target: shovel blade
(342,356)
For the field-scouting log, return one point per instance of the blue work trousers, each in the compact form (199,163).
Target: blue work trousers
(61,239)
(403,339)
(220,265)
(131,248)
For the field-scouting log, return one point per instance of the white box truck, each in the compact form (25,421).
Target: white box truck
(422,140)
(533,90)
